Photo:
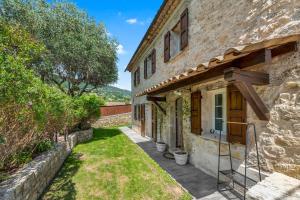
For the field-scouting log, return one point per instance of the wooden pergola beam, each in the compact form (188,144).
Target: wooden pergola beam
(243,80)
(153,98)
(254,78)
(160,107)
(253,99)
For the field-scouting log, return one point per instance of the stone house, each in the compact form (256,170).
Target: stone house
(203,64)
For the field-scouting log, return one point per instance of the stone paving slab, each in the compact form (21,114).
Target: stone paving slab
(199,184)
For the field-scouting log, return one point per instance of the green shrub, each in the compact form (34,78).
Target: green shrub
(21,158)
(44,145)
(86,108)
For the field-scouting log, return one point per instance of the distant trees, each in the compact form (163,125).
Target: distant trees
(79,56)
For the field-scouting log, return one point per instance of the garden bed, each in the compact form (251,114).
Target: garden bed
(30,181)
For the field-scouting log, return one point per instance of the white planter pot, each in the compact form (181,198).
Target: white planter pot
(161,146)
(181,157)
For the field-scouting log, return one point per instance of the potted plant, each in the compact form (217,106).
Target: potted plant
(181,157)
(161,146)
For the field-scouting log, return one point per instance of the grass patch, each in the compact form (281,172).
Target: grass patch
(112,167)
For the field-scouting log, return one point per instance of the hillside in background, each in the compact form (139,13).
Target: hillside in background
(111,93)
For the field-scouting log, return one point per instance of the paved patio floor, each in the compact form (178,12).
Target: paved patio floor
(199,184)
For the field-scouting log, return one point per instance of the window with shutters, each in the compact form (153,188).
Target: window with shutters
(177,39)
(150,64)
(219,110)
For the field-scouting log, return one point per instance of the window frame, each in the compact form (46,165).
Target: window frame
(223,92)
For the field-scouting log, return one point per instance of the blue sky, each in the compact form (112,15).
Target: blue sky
(125,20)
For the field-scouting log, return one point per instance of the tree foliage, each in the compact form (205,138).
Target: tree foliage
(79,52)
(32,111)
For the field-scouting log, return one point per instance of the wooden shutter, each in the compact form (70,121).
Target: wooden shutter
(134,78)
(154,122)
(153,61)
(143,120)
(167,47)
(196,113)
(145,68)
(139,112)
(184,26)
(135,113)
(138,76)
(236,112)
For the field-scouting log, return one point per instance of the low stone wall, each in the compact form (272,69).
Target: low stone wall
(114,120)
(79,137)
(30,181)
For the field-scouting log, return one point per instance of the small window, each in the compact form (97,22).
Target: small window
(175,40)
(219,111)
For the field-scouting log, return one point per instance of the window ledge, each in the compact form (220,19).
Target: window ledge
(175,57)
(214,137)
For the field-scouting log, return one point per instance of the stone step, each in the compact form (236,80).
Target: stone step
(276,186)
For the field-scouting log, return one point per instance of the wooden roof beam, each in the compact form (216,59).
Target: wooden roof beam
(153,98)
(243,80)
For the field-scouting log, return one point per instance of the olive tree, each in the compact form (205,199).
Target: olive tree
(80,55)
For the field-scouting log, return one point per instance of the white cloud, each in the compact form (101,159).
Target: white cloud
(120,49)
(132,21)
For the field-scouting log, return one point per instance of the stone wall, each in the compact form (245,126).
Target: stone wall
(114,120)
(280,137)
(30,181)
(79,137)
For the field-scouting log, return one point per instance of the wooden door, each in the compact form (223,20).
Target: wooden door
(178,120)
(236,112)
(143,120)
(154,123)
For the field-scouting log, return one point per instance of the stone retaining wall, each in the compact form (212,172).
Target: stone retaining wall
(114,120)
(30,181)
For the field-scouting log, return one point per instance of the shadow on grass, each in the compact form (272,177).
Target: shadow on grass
(62,186)
(105,133)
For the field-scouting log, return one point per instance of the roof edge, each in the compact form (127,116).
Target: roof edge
(154,21)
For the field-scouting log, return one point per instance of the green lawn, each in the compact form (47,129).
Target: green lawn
(112,167)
